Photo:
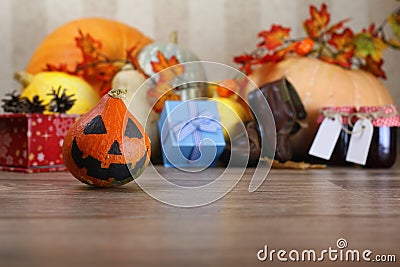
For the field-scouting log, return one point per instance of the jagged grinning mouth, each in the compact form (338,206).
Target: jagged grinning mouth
(118,171)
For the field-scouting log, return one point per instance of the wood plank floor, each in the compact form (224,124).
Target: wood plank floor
(50,219)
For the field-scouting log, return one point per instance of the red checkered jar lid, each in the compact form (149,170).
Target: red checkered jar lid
(380,115)
(331,111)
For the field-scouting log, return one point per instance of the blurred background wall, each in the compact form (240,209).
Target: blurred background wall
(215,30)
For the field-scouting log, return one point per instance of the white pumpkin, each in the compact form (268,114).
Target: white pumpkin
(135,100)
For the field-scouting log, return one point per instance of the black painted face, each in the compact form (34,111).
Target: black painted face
(111,163)
(118,171)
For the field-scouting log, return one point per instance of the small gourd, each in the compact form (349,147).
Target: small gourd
(107,147)
(130,79)
(136,101)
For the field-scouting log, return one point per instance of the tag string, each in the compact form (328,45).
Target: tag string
(360,115)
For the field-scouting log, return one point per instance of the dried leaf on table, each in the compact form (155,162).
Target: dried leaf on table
(293,165)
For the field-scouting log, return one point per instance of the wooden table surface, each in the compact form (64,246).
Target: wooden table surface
(51,219)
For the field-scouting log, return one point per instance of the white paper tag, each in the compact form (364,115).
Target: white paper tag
(326,137)
(360,141)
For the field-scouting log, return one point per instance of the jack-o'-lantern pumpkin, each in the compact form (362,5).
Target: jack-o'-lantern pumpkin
(107,147)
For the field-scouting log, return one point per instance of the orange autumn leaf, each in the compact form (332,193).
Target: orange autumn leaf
(281,53)
(89,47)
(366,44)
(318,21)
(101,73)
(132,59)
(62,67)
(274,37)
(164,63)
(342,41)
(375,67)
(246,62)
(106,72)
(394,23)
(168,96)
(243,58)
(334,43)
(344,59)
(337,26)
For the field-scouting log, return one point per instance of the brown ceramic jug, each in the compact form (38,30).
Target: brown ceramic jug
(245,148)
(288,113)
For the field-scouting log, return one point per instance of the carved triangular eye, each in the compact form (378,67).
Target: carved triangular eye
(132,130)
(95,126)
(114,149)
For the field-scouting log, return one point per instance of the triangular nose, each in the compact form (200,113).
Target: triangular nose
(114,149)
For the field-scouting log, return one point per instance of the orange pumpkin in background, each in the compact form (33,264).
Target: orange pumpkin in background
(107,147)
(321,84)
(95,48)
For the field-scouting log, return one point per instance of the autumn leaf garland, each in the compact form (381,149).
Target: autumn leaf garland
(335,44)
(94,65)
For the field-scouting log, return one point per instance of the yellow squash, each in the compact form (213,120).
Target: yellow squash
(43,83)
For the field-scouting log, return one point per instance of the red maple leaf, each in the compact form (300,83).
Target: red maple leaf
(342,41)
(62,67)
(375,67)
(246,68)
(130,56)
(99,73)
(280,54)
(318,22)
(242,59)
(343,59)
(105,72)
(337,26)
(274,37)
(246,62)
(370,29)
(163,62)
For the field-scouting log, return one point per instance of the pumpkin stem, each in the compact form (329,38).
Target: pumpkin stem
(173,37)
(128,66)
(24,78)
(117,93)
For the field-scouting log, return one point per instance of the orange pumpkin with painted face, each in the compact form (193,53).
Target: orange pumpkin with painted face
(107,147)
